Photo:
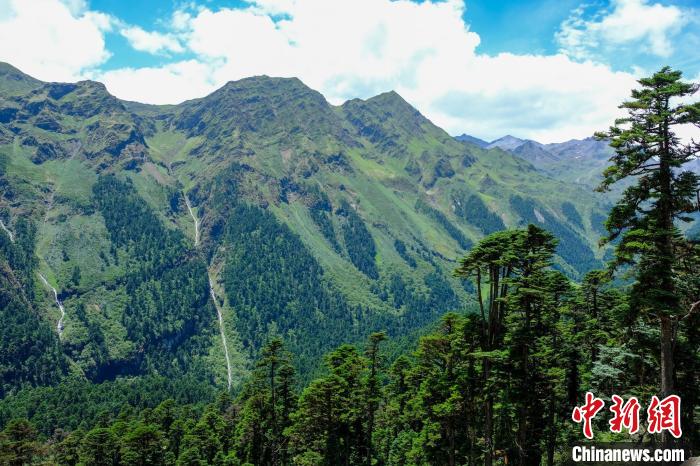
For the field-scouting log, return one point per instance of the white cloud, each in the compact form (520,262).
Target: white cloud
(180,20)
(171,83)
(274,7)
(76,7)
(546,98)
(626,23)
(43,38)
(152,42)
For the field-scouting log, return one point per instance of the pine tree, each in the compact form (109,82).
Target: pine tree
(66,452)
(329,421)
(18,443)
(532,313)
(649,152)
(143,445)
(267,403)
(100,446)
(490,264)
(374,392)
(591,286)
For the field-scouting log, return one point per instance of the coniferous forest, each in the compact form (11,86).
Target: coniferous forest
(234,316)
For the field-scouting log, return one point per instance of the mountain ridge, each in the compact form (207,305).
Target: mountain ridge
(362,209)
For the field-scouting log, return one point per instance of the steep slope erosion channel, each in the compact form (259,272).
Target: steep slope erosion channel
(59,325)
(9,233)
(213,295)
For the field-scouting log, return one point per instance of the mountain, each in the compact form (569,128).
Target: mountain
(507,142)
(579,161)
(473,140)
(535,153)
(13,81)
(180,238)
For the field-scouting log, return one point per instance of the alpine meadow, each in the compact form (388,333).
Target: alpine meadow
(261,277)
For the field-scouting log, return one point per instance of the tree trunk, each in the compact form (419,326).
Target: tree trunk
(451,435)
(666,356)
(488,431)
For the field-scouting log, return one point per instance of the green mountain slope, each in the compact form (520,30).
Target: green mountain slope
(289,216)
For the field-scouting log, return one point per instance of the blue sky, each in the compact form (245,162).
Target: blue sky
(549,70)
(515,26)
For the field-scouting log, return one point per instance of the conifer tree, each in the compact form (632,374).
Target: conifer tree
(649,152)
(374,391)
(490,264)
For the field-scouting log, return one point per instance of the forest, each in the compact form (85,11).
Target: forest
(495,385)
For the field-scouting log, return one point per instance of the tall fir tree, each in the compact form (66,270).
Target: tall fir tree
(649,153)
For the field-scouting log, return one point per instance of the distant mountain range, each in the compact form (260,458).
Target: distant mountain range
(577,160)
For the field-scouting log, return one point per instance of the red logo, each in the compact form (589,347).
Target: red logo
(587,412)
(662,415)
(665,415)
(625,415)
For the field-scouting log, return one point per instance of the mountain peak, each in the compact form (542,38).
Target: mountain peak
(265,83)
(507,142)
(387,105)
(260,104)
(387,118)
(471,139)
(14,81)
(393,101)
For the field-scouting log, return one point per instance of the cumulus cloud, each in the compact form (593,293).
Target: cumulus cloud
(546,98)
(626,22)
(167,84)
(150,41)
(52,40)
(76,7)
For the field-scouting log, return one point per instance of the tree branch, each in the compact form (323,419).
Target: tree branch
(693,308)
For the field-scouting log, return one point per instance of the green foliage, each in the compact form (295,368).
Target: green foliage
(402,251)
(598,223)
(267,405)
(491,386)
(169,309)
(572,248)
(358,242)
(572,214)
(278,288)
(19,443)
(325,224)
(498,385)
(31,354)
(472,210)
(648,151)
(73,404)
(100,446)
(321,213)
(454,232)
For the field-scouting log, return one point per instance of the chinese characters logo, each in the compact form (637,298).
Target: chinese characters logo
(662,415)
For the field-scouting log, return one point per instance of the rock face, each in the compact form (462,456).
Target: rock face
(80,114)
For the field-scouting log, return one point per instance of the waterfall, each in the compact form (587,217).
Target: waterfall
(196,221)
(9,233)
(59,325)
(213,295)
